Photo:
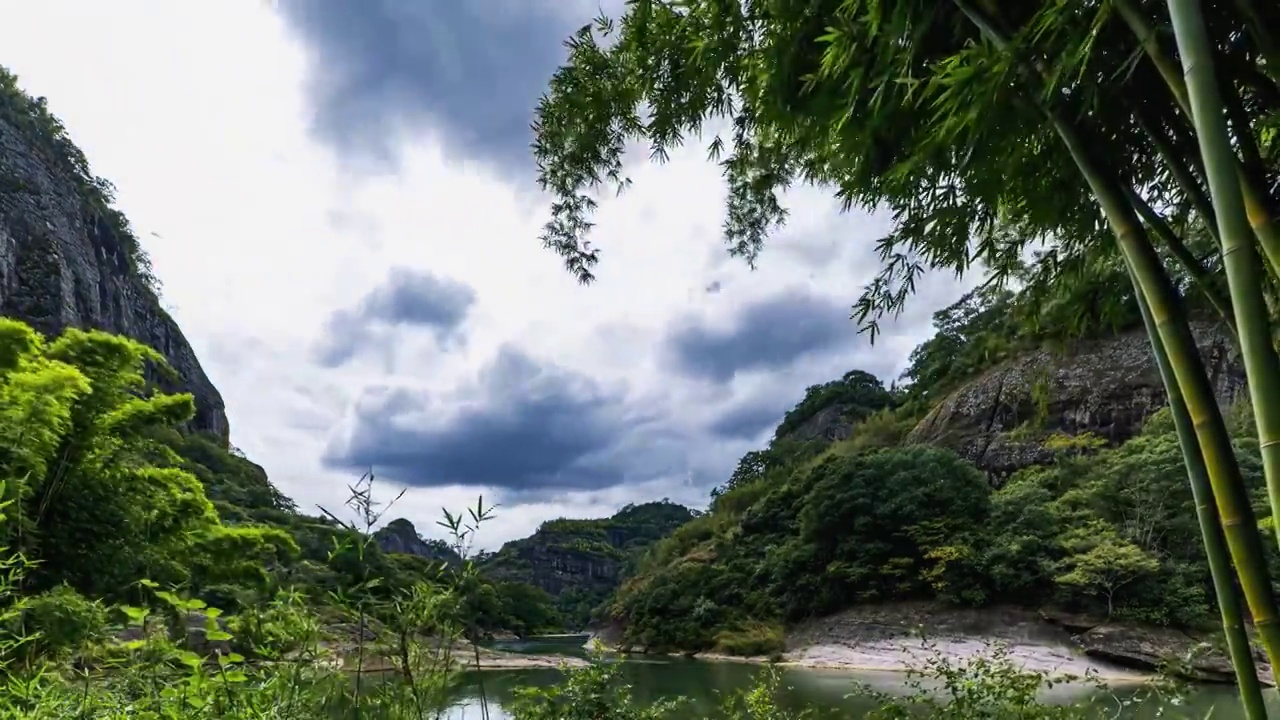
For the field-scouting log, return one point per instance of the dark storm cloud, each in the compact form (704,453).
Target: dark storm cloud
(406,298)
(768,334)
(525,426)
(473,70)
(747,421)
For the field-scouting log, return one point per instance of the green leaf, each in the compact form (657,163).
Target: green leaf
(135,614)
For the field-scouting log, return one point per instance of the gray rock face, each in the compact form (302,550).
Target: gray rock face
(62,266)
(1151,648)
(400,536)
(830,424)
(558,568)
(1108,387)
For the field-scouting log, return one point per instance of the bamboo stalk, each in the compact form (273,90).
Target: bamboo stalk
(1230,494)
(1204,280)
(1259,214)
(1182,173)
(1243,268)
(1224,584)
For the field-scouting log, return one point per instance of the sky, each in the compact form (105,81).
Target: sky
(339,199)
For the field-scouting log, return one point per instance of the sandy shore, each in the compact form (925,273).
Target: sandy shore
(903,654)
(888,639)
(501,660)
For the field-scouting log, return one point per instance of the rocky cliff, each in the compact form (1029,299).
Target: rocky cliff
(68,259)
(400,536)
(580,562)
(1107,387)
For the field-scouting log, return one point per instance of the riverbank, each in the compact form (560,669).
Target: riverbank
(491,659)
(903,636)
(464,655)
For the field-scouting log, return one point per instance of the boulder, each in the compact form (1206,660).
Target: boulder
(1157,649)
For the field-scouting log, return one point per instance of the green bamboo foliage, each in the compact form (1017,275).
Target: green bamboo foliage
(1244,270)
(1262,26)
(1187,179)
(1231,496)
(1258,214)
(1224,584)
(1204,280)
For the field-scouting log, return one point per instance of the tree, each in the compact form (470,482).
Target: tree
(981,127)
(97,501)
(1101,562)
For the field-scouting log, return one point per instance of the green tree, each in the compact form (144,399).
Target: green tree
(1100,561)
(980,127)
(98,502)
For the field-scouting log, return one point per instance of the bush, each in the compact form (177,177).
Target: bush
(57,624)
(590,693)
(753,639)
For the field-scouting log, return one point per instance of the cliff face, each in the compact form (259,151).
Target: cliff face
(580,562)
(1107,387)
(400,536)
(65,256)
(830,424)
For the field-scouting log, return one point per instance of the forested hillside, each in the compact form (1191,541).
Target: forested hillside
(809,525)
(581,562)
(105,490)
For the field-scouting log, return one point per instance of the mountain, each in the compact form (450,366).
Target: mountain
(1106,386)
(70,259)
(400,536)
(580,562)
(1015,471)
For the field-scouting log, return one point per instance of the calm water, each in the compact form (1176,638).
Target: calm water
(833,693)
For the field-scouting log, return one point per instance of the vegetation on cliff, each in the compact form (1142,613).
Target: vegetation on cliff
(41,129)
(581,562)
(806,529)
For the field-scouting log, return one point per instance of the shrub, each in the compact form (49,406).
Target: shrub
(57,624)
(752,639)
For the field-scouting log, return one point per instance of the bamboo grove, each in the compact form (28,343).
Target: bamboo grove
(1131,134)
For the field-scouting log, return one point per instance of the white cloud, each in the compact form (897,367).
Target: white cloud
(197,112)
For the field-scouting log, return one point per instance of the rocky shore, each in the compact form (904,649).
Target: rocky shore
(464,656)
(905,635)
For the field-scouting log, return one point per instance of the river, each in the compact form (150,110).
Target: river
(832,693)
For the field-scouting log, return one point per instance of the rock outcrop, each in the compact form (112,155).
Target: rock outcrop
(580,562)
(64,258)
(1164,649)
(907,634)
(1107,387)
(830,424)
(400,536)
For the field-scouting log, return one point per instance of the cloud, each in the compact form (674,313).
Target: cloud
(768,334)
(296,239)
(407,298)
(473,71)
(749,420)
(523,425)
